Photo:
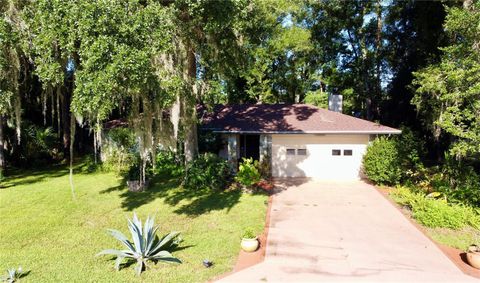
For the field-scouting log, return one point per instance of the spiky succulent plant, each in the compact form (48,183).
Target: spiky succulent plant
(13,275)
(145,245)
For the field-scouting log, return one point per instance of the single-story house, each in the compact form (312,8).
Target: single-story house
(297,140)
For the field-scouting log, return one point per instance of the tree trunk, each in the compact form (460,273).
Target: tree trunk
(2,154)
(378,60)
(366,93)
(362,42)
(189,107)
(191,143)
(65,100)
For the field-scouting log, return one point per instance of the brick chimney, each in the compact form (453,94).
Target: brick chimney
(335,102)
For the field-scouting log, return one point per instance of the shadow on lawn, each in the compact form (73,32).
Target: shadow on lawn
(18,177)
(188,202)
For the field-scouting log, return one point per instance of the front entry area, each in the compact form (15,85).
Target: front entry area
(250,146)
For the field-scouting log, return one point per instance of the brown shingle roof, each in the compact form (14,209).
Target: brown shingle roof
(286,118)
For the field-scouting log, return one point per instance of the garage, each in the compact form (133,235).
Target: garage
(296,140)
(326,157)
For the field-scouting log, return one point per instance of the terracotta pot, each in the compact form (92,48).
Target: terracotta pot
(249,245)
(473,256)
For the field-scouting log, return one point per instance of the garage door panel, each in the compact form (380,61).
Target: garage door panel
(318,162)
(284,165)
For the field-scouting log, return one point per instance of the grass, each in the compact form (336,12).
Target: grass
(436,212)
(56,238)
(459,239)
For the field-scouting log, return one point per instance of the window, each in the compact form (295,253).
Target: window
(336,152)
(302,151)
(347,152)
(290,151)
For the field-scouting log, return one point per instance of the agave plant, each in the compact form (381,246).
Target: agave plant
(145,245)
(13,275)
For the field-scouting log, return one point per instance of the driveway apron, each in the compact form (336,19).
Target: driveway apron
(344,231)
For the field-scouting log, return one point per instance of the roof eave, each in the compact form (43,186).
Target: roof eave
(349,132)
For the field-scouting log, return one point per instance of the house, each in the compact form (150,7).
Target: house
(296,140)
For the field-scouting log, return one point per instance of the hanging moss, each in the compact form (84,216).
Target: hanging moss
(9,87)
(18,116)
(175,116)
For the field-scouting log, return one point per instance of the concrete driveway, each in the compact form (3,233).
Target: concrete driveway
(330,231)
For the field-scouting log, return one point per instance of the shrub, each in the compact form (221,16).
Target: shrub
(119,150)
(132,171)
(207,171)
(248,173)
(145,245)
(436,213)
(395,160)
(167,163)
(381,162)
(411,150)
(121,154)
(264,168)
(459,181)
(39,146)
(210,142)
(89,165)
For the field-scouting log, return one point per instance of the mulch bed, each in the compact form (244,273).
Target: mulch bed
(458,257)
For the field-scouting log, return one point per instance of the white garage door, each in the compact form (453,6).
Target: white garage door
(325,157)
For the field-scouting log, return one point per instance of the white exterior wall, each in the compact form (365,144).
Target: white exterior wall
(233,148)
(318,163)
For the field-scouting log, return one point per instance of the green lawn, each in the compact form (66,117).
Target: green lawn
(45,231)
(459,239)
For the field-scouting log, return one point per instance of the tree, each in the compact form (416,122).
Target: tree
(10,71)
(97,57)
(448,93)
(153,62)
(54,50)
(411,43)
(277,65)
(211,40)
(118,44)
(348,46)
(142,57)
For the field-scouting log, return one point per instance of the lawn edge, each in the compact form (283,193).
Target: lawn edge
(246,260)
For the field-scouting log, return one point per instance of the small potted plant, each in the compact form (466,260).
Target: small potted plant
(249,241)
(473,256)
